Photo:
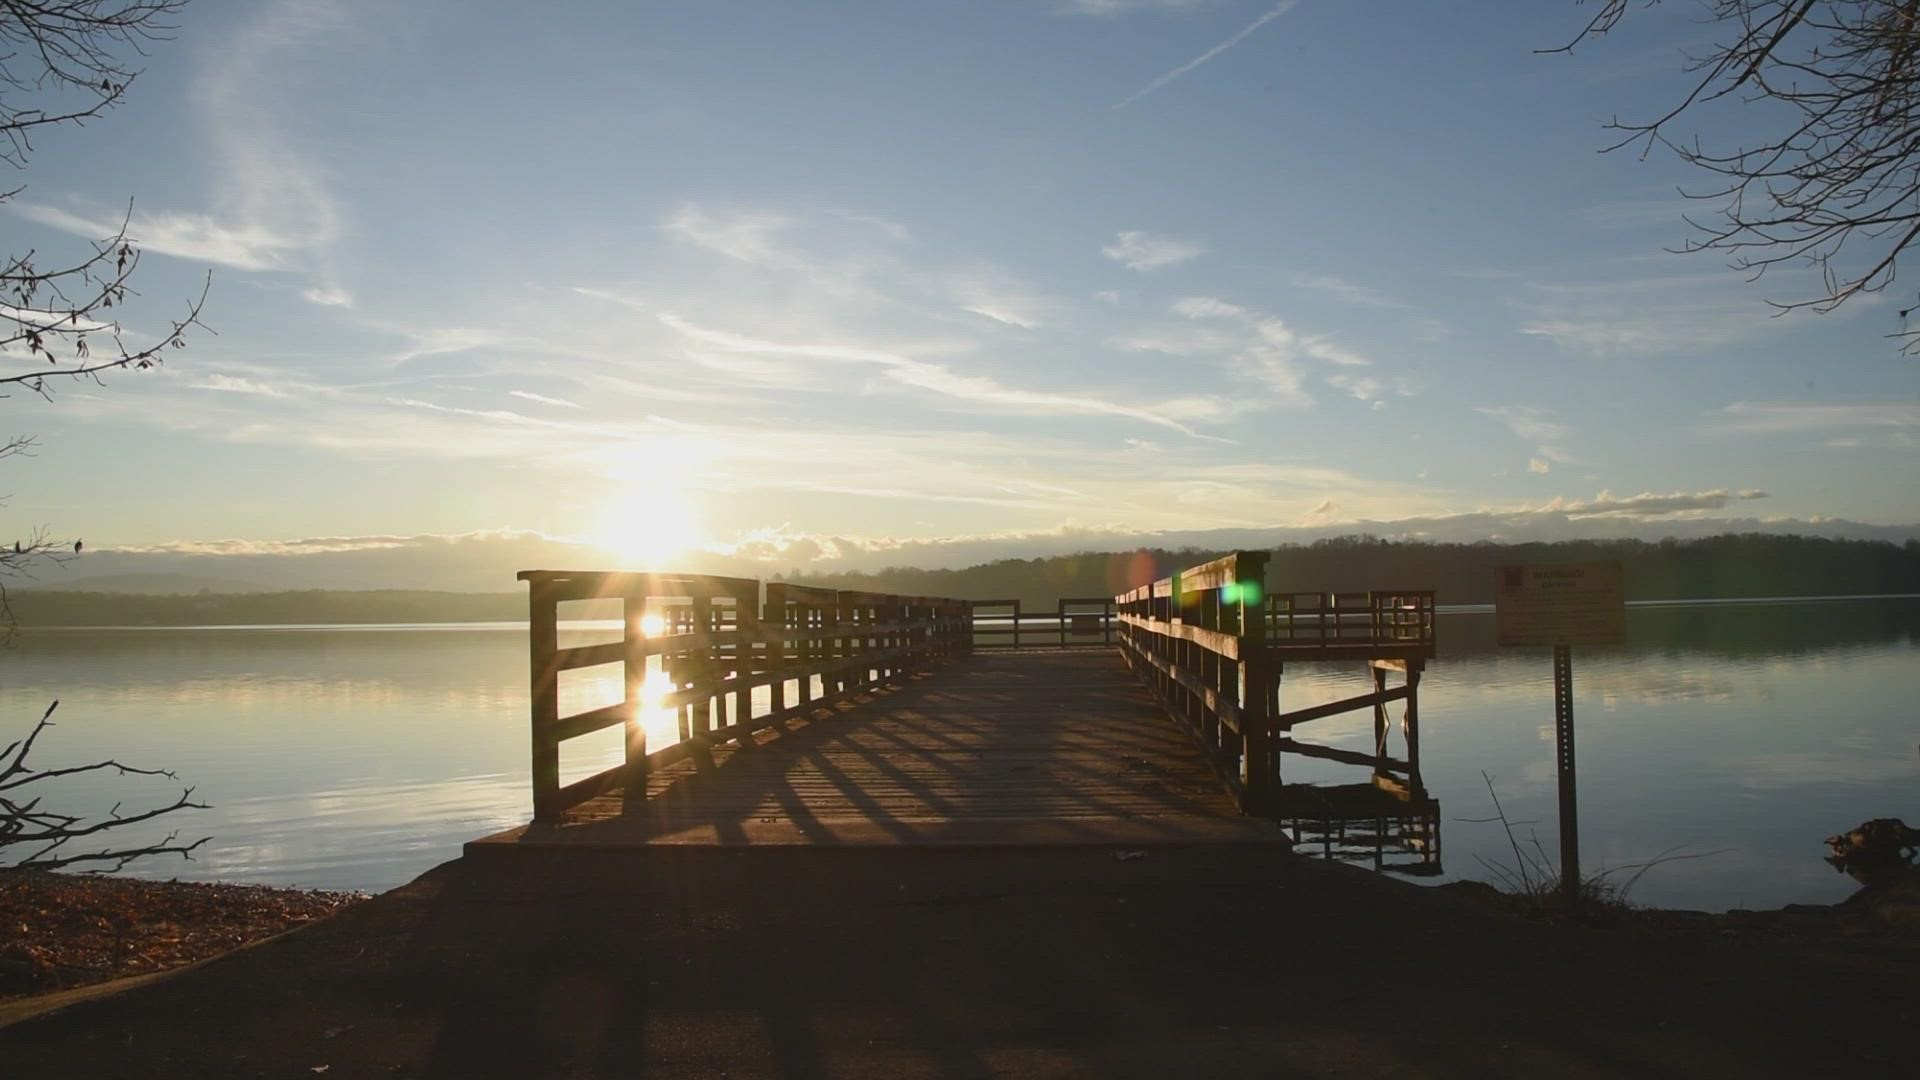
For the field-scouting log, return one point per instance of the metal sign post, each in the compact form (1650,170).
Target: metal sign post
(1563,756)
(1563,605)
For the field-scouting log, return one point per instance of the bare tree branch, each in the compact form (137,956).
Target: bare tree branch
(1836,186)
(35,838)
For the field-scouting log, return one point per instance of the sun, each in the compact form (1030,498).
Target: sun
(649,526)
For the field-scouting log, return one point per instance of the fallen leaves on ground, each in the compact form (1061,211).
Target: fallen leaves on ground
(62,930)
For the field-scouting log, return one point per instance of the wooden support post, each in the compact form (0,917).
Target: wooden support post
(774,620)
(632,608)
(746,625)
(703,664)
(1259,760)
(1206,614)
(1410,728)
(1380,724)
(543,642)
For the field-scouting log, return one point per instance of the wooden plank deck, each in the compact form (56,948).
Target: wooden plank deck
(1001,749)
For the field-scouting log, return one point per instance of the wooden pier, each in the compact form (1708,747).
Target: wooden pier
(805,716)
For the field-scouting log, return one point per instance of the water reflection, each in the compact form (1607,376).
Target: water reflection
(359,757)
(1381,824)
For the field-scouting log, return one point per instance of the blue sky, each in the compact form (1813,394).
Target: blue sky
(786,279)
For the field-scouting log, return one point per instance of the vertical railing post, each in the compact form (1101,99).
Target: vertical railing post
(704,664)
(632,608)
(773,623)
(746,634)
(543,642)
(1259,769)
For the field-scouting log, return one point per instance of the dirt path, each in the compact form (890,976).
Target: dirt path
(1007,962)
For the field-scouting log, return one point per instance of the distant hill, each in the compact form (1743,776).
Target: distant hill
(152,584)
(1719,567)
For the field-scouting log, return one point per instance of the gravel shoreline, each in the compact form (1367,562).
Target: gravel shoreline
(59,931)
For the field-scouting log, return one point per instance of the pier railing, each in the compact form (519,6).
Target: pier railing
(697,647)
(1325,619)
(1211,644)
(1074,621)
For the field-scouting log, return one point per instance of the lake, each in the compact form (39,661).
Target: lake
(358,757)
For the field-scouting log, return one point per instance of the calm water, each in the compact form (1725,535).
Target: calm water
(359,757)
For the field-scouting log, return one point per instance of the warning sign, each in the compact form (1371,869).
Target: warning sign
(1561,604)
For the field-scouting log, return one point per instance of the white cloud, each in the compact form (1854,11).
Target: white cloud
(1137,250)
(1658,314)
(1530,422)
(1110,8)
(1648,504)
(1277,11)
(1754,417)
(233,384)
(543,399)
(994,295)
(937,378)
(1266,349)
(1207,307)
(1321,348)
(199,237)
(750,237)
(1347,292)
(329,296)
(273,202)
(1363,387)
(1540,466)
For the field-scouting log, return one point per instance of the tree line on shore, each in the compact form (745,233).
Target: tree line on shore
(1720,567)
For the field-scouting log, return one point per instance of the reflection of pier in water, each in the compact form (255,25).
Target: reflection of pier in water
(1384,824)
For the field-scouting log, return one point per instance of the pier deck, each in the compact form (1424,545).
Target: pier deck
(1003,748)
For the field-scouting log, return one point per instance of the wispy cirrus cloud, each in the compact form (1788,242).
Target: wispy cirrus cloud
(746,236)
(1530,422)
(199,237)
(996,295)
(1142,251)
(1348,292)
(269,209)
(1184,69)
(1757,417)
(1649,504)
(1110,8)
(926,375)
(234,384)
(1536,425)
(1657,314)
(543,399)
(1266,349)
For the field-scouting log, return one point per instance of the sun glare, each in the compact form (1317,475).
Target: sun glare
(652,624)
(648,527)
(661,724)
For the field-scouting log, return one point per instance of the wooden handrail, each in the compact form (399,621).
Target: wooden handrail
(720,643)
(1198,640)
(1209,642)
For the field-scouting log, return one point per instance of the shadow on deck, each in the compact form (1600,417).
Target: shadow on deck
(1009,749)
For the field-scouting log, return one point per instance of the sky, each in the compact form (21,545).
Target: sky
(791,283)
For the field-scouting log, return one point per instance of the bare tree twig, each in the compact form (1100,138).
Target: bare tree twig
(1835,187)
(35,838)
